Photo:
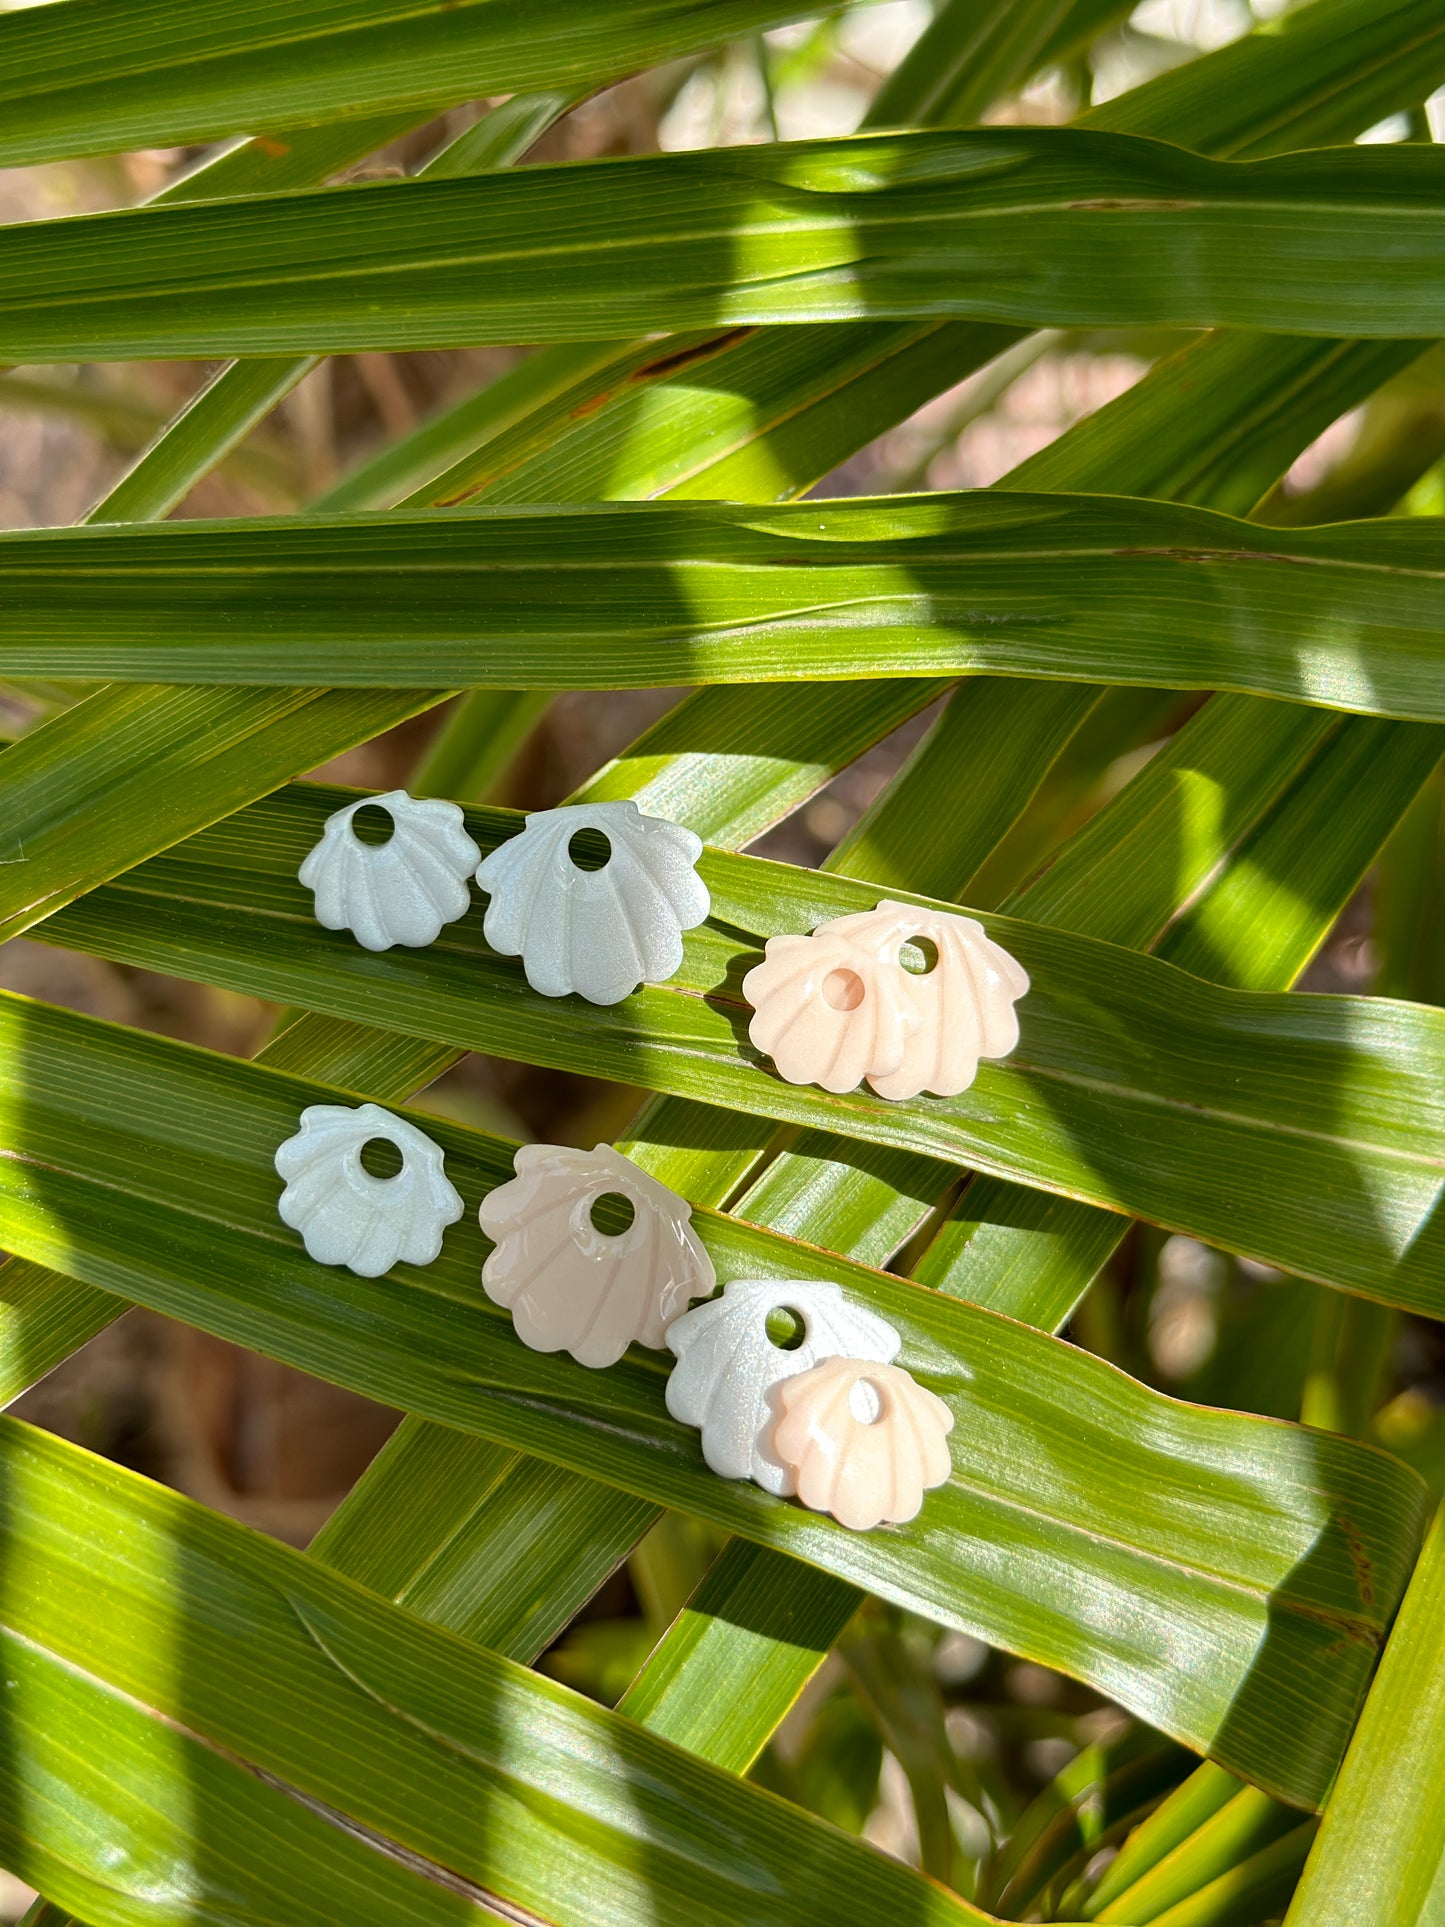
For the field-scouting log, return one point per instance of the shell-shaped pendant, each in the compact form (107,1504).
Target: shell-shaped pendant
(600,931)
(964,1004)
(572,1286)
(861,1440)
(403,890)
(344,1214)
(727,1363)
(828,1011)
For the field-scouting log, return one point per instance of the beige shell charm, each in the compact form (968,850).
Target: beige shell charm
(964,1004)
(828,1011)
(863,1441)
(569,1284)
(839,1006)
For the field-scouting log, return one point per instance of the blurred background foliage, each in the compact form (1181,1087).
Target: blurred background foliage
(1009,1782)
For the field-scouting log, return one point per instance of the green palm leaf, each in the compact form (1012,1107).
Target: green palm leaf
(1222,1099)
(147,1171)
(90,79)
(641,594)
(1004,224)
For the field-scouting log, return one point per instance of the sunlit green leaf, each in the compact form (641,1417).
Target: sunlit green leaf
(1034,225)
(145,1168)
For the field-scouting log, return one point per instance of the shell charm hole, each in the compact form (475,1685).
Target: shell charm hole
(908,998)
(612,1213)
(373,825)
(392,870)
(381,1159)
(350,1213)
(590,850)
(865,1401)
(919,956)
(592,1255)
(843,990)
(594,898)
(786,1328)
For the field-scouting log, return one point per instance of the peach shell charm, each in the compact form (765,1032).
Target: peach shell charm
(839,1006)
(828,1011)
(964,1005)
(572,1287)
(863,1441)
(727,1361)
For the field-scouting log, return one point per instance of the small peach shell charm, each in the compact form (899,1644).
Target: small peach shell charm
(727,1360)
(839,1006)
(863,1441)
(828,1011)
(965,1004)
(573,1287)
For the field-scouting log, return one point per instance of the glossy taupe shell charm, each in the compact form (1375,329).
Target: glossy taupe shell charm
(401,891)
(344,1214)
(839,1006)
(861,1440)
(964,1005)
(598,932)
(726,1364)
(572,1287)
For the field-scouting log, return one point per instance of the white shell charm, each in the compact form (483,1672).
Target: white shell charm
(600,932)
(861,1440)
(727,1363)
(401,891)
(839,1005)
(344,1214)
(572,1287)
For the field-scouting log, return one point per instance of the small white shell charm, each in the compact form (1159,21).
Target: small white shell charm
(401,891)
(572,1287)
(344,1214)
(965,1004)
(828,1011)
(726,1364)
(862,1441)
(600,932)
(839,1006)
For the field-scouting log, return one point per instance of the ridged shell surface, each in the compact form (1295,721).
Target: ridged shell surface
(344,1214)
(571,1287)
(828,1011)
(398,892)
(727,1363)
(598,932)
(861,1440)
(964,1006)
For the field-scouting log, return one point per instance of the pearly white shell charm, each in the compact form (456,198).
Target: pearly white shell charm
(828,1011)
(599,932)
(964,1005)
(862,1441)
(571,1287)
(726,1364)
(401,891)
(344,1214)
